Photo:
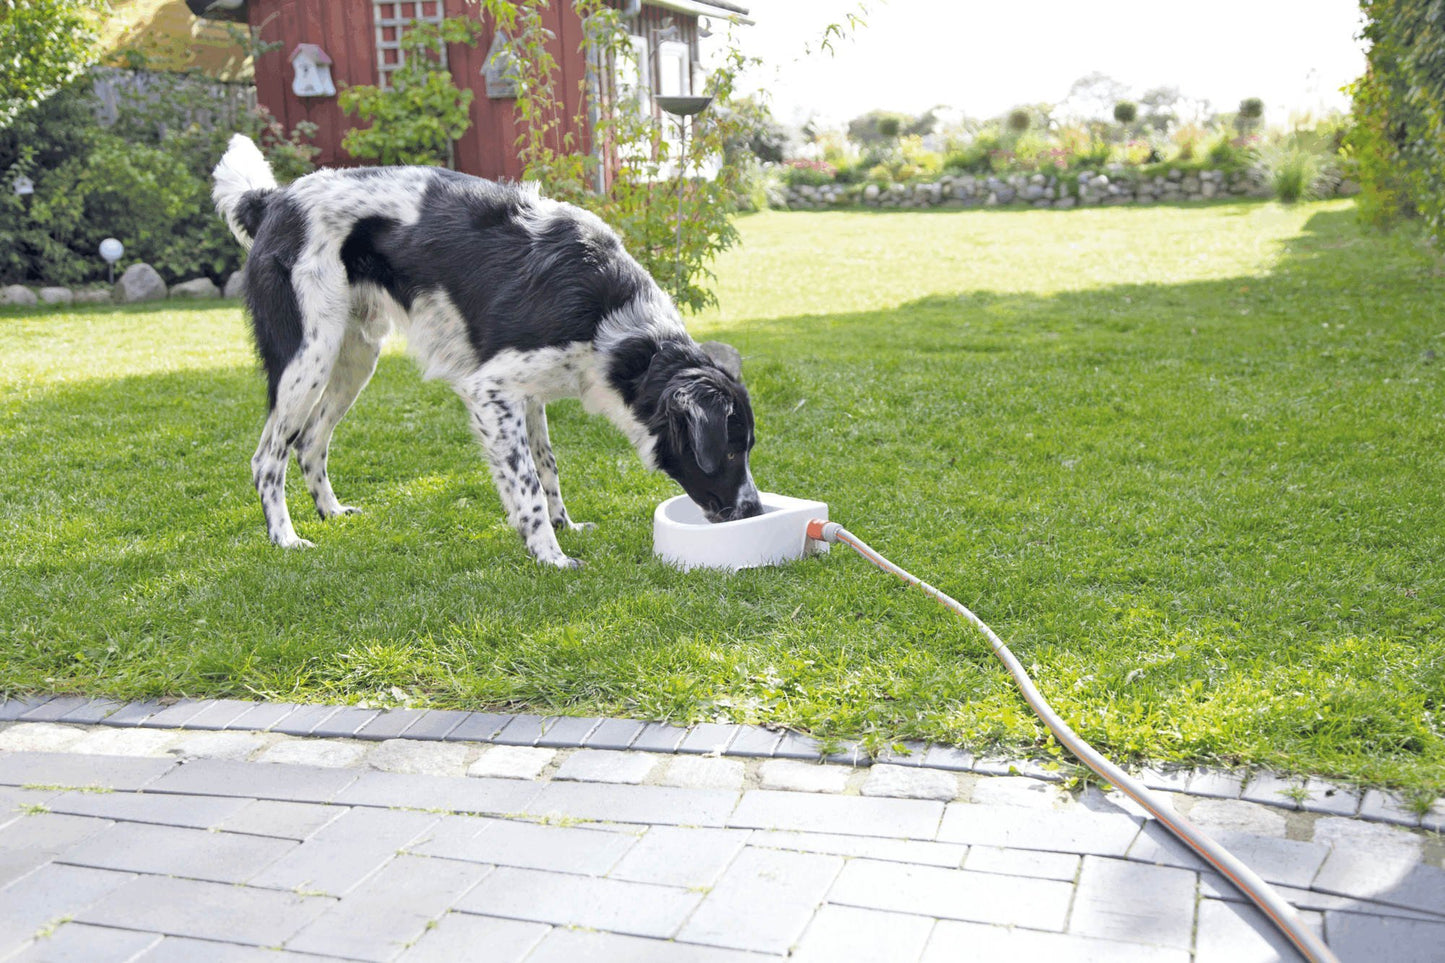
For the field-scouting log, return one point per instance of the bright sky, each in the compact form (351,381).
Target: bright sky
(985,57)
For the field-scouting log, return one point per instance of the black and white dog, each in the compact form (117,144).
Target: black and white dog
(514,299)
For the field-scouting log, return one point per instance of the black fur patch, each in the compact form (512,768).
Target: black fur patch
(275,314)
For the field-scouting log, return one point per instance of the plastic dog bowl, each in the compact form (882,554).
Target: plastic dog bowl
(682,535)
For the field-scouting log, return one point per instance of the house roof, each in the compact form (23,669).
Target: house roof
(310,50)
(705,8)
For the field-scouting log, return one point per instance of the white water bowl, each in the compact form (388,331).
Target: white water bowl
(682,535)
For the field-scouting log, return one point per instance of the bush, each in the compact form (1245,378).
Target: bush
(805,172)
(1126,112)
(1293,171)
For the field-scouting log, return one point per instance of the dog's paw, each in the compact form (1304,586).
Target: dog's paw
(563,562)
(294,542)
(338,511)
(567,525)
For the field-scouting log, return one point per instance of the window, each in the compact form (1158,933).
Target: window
(391,18)
(674,71)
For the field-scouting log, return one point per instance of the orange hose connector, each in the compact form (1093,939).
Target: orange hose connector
(1274,906)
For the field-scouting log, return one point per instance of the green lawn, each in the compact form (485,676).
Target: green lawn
(1188,462)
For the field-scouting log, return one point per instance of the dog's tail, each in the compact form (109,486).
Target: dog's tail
(244,183)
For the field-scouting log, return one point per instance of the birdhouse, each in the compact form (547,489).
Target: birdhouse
(313,72)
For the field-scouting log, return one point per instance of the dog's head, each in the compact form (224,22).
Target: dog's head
(702,427)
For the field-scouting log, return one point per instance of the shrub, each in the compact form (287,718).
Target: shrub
(1292,171)
(1126,112)
(1019,120)
(807,172)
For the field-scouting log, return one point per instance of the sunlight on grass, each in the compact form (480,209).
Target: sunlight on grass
(1186,461)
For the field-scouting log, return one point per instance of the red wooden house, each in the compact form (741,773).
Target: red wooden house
(359,37)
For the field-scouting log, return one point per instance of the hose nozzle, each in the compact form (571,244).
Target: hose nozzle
(823,531)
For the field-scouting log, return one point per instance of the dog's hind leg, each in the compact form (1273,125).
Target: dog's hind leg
(546,464)
(500,422)
(321,296)
(355,363)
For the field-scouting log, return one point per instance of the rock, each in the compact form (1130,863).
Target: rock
(910,782)
(1175,174)
(871,192)
(18,294)
(1209,188)
(235,285)
(795,776)
(1064,203)
(94,296)
(1037,179)
(199,289)
(1190,185)
(1005,195)
(56,296)
(140,282)
(1349,187)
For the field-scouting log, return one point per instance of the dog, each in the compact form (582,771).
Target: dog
(513,298)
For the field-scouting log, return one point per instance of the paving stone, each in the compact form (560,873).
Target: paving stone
(775,891)
(92,711)
(77,771)
(613,734)
(133,713)
(1104,834)
(53,709)
(16,707)
(708,738)
(176,714)
(1018,791)
(1217,783)
(215,745)
(794,776)
(458,935)
(1214,886)
(1238,933)
(434,723)
(1165,779)
(263,715)
(950,855)
(658,805)
(16,803)
(674,856)
(1282,861)
(284,820)
(29,843)
(450,793)
(302,719)
(1352,873)
(568,731)
(523,730)
(195,812)
(40,737)
(345,722)
(1135,903)
(637,909)
(50,893)
(1237,816)
(908,753)
(478,727)
(1022,862)
(658,737)
(81,943)
(1272,789)
(1356,937)
(218,777)
(217,911)
(953,894)
(175,851)
(606,765)
(572,946)
(1325,797)
(421,758)
(512,762)
(703,772)
(907,782)
(848,815)
(1388,842)
(952,941)
(1387,808)
(183,949)
(849,933)
(390,910)
(563,849)
(949,758)
(795,745)
(1434,820)
(220,713)
(754,742)
(392,723)
(850,754)
(126,742)
(325,753)
(346,851)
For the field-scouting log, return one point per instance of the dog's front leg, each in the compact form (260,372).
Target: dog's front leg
(546,462)
(499,419)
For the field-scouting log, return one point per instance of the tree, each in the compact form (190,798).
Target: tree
(44,45)
(1094,95)
(1161,107)
(1126,112)
(1251,109)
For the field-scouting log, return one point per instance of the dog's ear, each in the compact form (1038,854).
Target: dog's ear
(706,425)
(725,356)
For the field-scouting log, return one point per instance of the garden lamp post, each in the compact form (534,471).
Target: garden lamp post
(111,250)
(682,108)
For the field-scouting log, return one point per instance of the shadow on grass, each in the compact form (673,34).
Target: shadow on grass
(1198,505)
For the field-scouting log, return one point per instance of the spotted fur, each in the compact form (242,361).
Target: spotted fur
(514,299)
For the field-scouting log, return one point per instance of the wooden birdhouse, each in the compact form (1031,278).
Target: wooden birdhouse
(313,72)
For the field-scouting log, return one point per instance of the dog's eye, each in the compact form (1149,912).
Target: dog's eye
(732,455)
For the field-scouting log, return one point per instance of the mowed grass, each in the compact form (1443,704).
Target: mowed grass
(1188,462)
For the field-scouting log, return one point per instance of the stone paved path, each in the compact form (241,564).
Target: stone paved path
(161,844)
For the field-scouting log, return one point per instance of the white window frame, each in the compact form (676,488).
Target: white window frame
(406,12)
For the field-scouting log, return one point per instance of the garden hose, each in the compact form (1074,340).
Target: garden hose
(1280,912)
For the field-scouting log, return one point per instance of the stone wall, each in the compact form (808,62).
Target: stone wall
(1120,186)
